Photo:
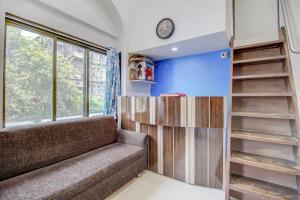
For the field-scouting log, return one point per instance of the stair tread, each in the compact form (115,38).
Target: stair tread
(262,59)
(261,189)
(258,45)
(271,94)
(273,164)
(264,115)
(261,65)
(265,137)
(261,76)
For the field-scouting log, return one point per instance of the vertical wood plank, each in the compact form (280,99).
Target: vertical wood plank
(191,155)
(145,110)
(137,106)
(176,112)
(216,158)
(124,107)
(160,154)
(217,112)
(144,128)
(142,109)
(201,157)
(152,109)
(132,108)
(159,109)
(128,125)
(188,148)
(131,125)
(202,112)
(137,127)
(168,110)
(128,108)
(191,110)
(153,149)
(126,114)
(183,111)
(119,111)
(168,151)
(179,153)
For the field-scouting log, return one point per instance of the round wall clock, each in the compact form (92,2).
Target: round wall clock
(165,28)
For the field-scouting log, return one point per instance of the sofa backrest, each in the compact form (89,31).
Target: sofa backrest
(28,148)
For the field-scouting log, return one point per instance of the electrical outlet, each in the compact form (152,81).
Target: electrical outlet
(224,55)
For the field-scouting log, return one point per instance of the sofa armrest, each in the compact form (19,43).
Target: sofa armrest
(132,137)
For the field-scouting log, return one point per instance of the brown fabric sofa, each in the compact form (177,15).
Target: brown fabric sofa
(81,159)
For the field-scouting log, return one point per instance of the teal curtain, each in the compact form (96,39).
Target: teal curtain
(113,81)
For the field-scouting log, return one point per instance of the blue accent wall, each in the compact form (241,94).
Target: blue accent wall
(197,75)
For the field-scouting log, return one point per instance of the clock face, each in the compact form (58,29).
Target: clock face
(165,28)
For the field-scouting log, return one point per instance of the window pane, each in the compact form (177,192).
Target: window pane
(70,80)
(97,82)
(28,77)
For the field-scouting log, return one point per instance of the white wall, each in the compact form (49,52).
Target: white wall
(293,8)
(229,18)
(88,12)
(255,21)
(193,18)
(295,59)
(38,12)
(128,89)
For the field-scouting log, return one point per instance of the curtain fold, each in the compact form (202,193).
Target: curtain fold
(113,79)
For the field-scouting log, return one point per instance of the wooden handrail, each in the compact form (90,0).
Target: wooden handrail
(288,26)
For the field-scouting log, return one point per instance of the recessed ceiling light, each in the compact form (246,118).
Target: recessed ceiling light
(174,49)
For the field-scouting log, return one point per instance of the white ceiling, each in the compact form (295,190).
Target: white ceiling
(97,14)
(193,46)
(103,16)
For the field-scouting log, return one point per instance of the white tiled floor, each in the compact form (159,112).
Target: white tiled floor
(152,186)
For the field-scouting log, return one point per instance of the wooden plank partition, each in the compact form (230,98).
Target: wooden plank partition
(187,135)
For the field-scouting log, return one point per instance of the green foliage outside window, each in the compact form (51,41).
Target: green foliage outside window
(29,80)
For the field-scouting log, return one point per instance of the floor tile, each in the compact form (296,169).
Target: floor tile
(152,186)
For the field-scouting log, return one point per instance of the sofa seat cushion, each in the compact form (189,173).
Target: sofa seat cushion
(65,179)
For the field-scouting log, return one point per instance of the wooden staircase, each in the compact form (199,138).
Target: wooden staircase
(263,156)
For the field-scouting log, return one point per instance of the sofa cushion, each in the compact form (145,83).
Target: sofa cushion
(28,148)
(68,178)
